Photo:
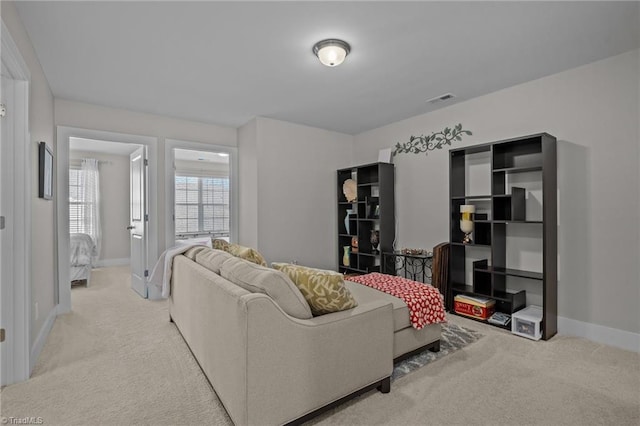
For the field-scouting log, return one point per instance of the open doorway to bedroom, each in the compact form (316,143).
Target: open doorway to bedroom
(100,207)
(99,196)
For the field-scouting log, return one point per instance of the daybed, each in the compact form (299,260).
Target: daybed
(269,367)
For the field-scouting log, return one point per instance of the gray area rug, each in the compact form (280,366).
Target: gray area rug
(453,338)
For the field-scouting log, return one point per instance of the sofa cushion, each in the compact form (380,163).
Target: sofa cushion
(193,251)
(324,290)
(275,284)
(364,294)
(212,259)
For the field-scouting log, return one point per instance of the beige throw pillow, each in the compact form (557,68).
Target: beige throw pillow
(324,290)
(275,284)
(246,253)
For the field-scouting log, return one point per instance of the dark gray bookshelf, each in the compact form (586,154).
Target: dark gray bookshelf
(375,183)
(528,154)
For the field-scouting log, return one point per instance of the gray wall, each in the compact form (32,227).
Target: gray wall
(41,119)
(293,195)
(87,116)
(248,184)
(114,202)
(593,111)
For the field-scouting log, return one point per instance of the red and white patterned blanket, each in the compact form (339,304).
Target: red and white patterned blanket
(426,305)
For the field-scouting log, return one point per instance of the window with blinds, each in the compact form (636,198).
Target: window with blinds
(202,205)
(77,205)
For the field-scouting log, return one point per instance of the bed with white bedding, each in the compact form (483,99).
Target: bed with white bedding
(82,252)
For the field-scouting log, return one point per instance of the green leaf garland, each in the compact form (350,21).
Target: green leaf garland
(437,140)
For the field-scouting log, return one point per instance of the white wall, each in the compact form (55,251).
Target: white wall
(41,119)
(594,111)
(293,195)
(248,184)
(94,117)
(114,203)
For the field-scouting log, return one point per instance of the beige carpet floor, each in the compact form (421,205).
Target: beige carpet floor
(116,360)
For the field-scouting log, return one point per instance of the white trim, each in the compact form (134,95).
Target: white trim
(38,344)
(105,263)
(169,159)
(13,59)
(16,298)
(600,334)
(62,165)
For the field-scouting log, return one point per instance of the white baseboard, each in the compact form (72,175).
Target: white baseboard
(600,334)
(103,263)
(42,338)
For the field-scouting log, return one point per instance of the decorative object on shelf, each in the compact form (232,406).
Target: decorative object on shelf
(346,257)
(346,221)
(375,240)
(466,221)
(354,244)
(437,140)
(350,190)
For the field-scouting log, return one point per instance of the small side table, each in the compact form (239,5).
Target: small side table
(416,267)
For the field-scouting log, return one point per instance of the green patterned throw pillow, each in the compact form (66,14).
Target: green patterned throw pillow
(219,244)
(324,290)
(246,253)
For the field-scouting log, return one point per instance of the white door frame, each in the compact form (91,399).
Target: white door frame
(62,166)
(16,296)
(169,160)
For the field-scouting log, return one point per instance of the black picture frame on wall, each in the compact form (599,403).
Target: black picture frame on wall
(45,168)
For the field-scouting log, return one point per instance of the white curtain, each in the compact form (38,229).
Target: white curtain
(91,197)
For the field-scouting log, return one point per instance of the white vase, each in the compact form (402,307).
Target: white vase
(346,221)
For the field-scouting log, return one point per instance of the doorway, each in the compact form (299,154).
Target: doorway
(99,208)
(16,354)
(111,145)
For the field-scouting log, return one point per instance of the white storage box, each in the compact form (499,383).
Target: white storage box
(527,322)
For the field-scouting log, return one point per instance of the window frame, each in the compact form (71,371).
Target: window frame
(79,226)
(201,204)
(169,163)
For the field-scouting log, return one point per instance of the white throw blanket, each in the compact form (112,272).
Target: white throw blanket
(82,250)
(161,275)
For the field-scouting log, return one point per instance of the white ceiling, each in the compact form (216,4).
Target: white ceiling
(226,62)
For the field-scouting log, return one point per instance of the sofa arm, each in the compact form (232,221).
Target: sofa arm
(297,366)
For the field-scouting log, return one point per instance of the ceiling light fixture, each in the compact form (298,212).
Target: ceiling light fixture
(331,52)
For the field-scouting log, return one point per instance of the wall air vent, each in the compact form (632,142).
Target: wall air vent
(441,98)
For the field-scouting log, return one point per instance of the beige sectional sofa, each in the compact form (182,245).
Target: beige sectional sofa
(269,367)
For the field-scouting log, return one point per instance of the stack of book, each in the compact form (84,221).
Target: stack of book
(500,318)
